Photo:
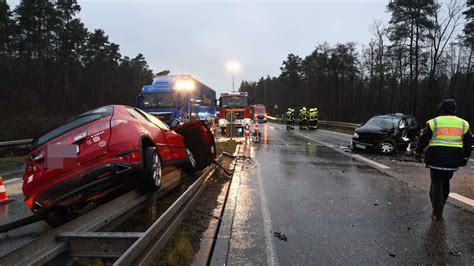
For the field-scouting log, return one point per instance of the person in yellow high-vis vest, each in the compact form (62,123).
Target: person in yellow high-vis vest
(448,139)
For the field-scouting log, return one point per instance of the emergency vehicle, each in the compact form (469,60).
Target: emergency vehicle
(237,102)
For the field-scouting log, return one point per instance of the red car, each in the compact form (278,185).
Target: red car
(72,164)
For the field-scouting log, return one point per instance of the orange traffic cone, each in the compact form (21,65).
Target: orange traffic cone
(3,193)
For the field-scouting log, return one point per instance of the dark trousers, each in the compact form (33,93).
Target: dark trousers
(439,190)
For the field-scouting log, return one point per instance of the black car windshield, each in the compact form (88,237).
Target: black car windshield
(384,122)
(234,101)
(159,100)
(260,111)
(78,121)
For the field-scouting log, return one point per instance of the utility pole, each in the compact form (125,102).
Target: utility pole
(233,87)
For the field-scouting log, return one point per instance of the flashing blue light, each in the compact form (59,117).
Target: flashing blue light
(203,114)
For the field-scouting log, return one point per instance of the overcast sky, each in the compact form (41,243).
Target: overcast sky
(198,37)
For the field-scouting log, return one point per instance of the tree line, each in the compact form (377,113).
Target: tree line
(52,67)
(423,54)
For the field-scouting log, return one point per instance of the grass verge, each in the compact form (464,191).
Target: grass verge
(179,250)
(226,146)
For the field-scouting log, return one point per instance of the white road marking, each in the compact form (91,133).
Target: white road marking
(11,180)
(463,199)
(374,163)
(472,160)
(267,222)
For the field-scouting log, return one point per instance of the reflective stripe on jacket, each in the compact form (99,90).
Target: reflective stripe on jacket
(448,131)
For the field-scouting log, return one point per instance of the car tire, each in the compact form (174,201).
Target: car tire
(150,179)
(190,165)
(387,147)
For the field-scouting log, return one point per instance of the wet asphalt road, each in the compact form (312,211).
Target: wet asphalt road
(336,210)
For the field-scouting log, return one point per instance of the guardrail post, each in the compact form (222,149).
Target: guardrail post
(152,213)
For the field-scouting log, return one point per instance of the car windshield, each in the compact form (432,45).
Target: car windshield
(78,121)
(384,122)
(234,101)
(159,100)
(260,111)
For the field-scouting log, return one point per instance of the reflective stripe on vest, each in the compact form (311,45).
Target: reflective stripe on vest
(447,131)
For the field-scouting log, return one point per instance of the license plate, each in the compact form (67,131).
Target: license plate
(360,146)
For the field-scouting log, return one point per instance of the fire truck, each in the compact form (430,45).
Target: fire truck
(237,102)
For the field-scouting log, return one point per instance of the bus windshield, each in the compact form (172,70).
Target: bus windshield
(234,101)
(159,100)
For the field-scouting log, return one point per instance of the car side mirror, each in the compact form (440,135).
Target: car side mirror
(174,123)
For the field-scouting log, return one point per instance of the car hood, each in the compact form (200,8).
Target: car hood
(371,129)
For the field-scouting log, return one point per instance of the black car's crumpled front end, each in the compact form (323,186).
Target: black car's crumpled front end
(368,138)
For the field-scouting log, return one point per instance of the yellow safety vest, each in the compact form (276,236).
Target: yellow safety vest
(448,131)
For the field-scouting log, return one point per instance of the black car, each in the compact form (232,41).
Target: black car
(386,133)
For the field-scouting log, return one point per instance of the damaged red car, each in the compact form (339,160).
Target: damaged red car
(71,165)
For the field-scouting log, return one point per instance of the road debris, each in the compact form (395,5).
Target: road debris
(280,236)
(455,253)
(392,255)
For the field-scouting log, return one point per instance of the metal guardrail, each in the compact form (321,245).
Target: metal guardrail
(339,124)
(326,123)
(90,234)
(13,143)
(147,247)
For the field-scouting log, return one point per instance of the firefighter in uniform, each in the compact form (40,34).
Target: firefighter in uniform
(448,139)
(303,118)
(290,118)
(313,115)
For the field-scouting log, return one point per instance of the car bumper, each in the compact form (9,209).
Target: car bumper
(88,182)
(356,144)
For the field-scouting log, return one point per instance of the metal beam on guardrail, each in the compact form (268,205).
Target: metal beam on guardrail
(326,123)
(16,143)
(146,248)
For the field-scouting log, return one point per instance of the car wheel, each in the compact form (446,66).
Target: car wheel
(151,177)
(190,165)
(387,147)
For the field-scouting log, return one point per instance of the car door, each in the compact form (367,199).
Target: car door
(154,132)
(174,140)
(413,127)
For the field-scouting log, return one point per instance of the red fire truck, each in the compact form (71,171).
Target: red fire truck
(237,102)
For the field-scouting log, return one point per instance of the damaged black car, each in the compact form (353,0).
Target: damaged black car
(386,133)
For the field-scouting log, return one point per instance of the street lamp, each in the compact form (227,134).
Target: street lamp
(233,67)
(186,86)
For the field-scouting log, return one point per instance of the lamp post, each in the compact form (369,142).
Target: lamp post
(186,85)
(233,67)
